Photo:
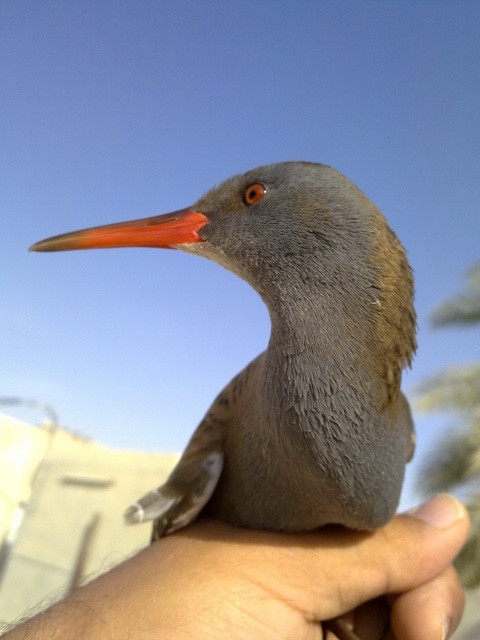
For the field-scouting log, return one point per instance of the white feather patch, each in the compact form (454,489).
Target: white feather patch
(213,465)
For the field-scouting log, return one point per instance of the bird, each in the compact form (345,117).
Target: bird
(316,430)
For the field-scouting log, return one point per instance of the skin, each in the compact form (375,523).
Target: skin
(213,581)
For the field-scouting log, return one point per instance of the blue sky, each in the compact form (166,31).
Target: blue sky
(116,110)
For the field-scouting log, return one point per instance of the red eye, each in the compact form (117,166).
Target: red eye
(254,193)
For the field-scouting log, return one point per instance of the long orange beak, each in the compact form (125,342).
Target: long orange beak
(178,227)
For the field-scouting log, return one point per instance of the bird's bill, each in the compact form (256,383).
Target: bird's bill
(178,227)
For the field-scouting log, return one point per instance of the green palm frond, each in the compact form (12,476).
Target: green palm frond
(456,389)
(467,562)
(455,466)
(450,466)
(465,309)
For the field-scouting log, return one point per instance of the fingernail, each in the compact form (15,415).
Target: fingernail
(446,628)
(440,511)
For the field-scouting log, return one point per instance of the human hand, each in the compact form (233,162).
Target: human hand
(212,580)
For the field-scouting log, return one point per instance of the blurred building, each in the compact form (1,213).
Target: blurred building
(62,497)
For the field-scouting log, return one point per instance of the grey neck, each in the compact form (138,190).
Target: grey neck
(316,364)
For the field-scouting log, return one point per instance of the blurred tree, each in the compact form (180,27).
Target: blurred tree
(457,390)
(463,310)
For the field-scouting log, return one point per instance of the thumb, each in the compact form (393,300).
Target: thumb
(409,551)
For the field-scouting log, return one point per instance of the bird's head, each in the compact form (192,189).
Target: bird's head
(293,230)
(273,223)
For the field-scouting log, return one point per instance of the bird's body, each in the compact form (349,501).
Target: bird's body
(284,476)
(315,430)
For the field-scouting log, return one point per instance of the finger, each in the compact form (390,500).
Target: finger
(410,551)
(431,611)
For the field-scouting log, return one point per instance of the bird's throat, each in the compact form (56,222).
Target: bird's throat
(320,367)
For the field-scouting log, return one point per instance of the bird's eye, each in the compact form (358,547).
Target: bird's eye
(254,193)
